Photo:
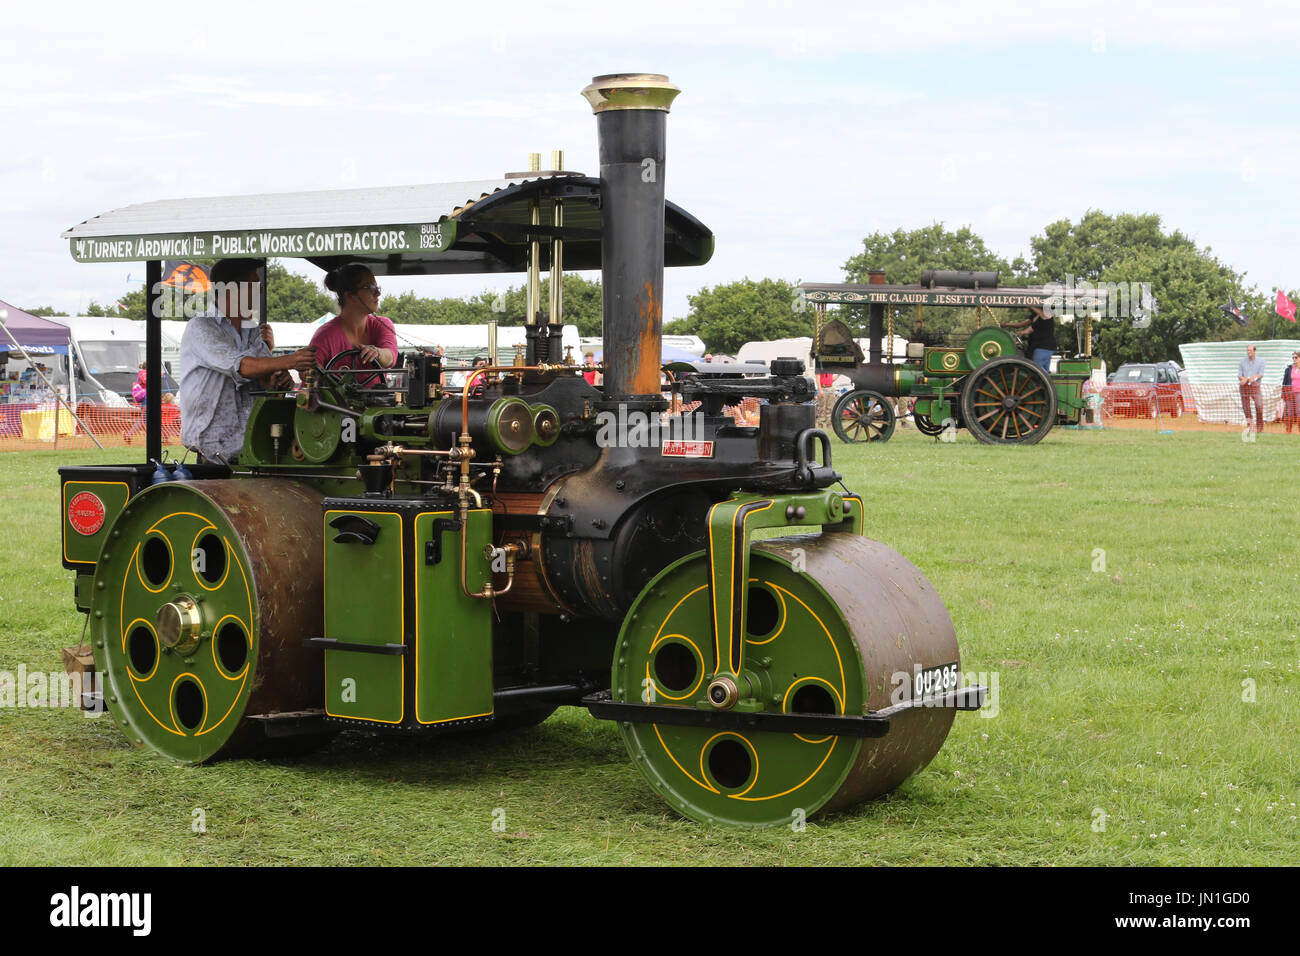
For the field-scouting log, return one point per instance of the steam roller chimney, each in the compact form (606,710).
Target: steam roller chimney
(631,118)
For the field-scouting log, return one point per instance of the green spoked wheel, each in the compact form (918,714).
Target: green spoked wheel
(203,595)
(837,637)
(863,416)
(1009,401)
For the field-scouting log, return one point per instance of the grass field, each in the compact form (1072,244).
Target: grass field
(1159,696)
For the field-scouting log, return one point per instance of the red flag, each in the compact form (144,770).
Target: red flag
(1285,307)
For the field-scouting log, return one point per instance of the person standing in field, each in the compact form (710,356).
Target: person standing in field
(825,398)
(1291,393)
(1250,372)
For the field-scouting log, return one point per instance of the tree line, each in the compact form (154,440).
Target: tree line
(1188,282)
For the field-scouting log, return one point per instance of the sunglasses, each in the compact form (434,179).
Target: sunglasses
(368,288)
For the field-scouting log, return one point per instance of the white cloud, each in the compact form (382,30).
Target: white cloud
(800,128)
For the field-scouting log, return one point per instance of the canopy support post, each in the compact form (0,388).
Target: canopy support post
(557,255)
(153,359)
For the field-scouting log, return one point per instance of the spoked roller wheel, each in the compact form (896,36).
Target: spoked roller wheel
(203,596)
(925,426)
(835,623)
(1009,401)
(863,416)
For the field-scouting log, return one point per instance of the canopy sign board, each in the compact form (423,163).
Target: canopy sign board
(247,243)
(433,229)
(841,294)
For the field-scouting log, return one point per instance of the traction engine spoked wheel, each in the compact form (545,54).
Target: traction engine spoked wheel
(202,597)
(826,639)
(1009,401)
(863,416)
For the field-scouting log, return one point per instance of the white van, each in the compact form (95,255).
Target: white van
(106,355)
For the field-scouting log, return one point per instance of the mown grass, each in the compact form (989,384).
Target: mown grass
(1119,692)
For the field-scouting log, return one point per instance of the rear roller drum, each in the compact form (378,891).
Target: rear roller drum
(836,636)
(203,596)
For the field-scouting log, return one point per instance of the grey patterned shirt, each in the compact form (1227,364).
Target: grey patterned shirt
(215,399)
(1248,367)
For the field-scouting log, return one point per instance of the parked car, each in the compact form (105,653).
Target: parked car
(1144,391)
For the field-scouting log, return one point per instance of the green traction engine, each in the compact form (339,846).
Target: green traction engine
(396,556)
(985,385)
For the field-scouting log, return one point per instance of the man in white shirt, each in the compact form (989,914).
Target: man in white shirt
(225,355)
(1250,372)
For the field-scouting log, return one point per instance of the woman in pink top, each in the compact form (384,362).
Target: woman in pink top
(1291,392)
(356,326)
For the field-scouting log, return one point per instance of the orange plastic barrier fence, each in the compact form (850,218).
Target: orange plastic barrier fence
(29,426)
(1203,407)
(1214,407)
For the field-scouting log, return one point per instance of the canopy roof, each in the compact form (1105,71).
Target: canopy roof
(466,227)
(32,331)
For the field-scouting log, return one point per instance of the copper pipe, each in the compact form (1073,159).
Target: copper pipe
(489,592)
(466,453)
(389,450)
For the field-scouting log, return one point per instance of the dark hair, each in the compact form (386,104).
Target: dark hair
(233,270)
(346,279)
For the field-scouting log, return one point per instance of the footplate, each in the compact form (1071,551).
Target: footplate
(872,724)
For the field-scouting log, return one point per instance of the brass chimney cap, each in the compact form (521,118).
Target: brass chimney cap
(630,91)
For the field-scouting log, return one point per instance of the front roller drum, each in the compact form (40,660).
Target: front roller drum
(203,596)
(835,624)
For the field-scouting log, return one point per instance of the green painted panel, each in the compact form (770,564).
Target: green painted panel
(364,604)
(453,632)
(1069,400)
(946,361)
(937,410)
(89,508)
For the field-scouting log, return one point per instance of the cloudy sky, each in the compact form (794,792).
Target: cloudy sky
(801,128)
